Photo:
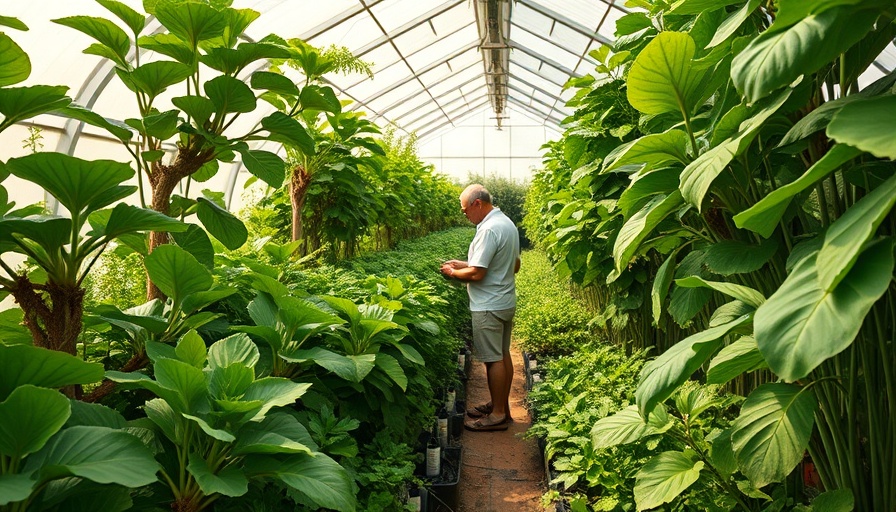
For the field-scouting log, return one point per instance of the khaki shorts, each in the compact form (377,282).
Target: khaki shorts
(491,334)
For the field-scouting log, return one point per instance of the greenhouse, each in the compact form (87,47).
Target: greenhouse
(268,255)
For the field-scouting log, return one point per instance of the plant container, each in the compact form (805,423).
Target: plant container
(443,490)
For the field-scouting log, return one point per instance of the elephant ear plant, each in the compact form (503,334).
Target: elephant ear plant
(222,428)
(60,246)
(51,449)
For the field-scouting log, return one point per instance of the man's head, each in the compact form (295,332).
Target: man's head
(475,202)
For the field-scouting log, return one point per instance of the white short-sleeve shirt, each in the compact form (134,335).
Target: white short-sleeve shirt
(496,248)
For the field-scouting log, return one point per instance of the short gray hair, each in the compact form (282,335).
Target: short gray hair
(477,191)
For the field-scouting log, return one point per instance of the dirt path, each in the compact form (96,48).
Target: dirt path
(501,472)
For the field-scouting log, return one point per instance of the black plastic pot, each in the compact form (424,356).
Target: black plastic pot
(442,495)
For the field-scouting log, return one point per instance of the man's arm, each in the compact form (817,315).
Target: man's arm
(516,268)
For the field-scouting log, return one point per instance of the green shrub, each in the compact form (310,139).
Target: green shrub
(549,321)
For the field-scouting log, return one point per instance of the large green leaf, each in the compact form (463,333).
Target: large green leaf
(195,241)
(237,348)
(160,413)
(229,481)
(735,257)
(99,454)
(772,432)
(94,415)
(627,426)
(24,364)
(733,22)
(120,130)
(660,377)
(126,218)
(190,21)
(740,292)
(153,78)
(740,357)
(107,33)
(764,216)
(663,79)
(20,103)
(315,97)
(191,349)
(865,124)
(389,365)
(176,272)
(28,418)
(318,477)
(230,61)
(640,225)
(223,225)
(660,288)
(133,19)
(15,66)
(647,184)
(274,392)
(230,382)
(267,166)
(802,324)
(230,95)
(653,151)
(278,433)
(186,381)
(288,131)
(274,82)
(838,500)
(171,46)
(219,434)
(50,232)
(845,238)
(664,477)
(350,368)
(776,58)
(699,175)
(15,487)
(76,183)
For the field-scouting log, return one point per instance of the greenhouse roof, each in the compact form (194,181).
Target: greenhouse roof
(434,62)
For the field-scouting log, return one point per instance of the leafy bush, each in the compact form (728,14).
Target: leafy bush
(547,322)
(579,389)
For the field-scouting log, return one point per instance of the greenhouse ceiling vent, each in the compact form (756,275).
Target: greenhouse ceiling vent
(493,21)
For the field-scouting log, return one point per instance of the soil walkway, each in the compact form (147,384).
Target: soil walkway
(501,471)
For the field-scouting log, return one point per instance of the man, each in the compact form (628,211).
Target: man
(492,262)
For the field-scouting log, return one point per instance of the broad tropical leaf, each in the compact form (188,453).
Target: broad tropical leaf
(237,348)
(772,432)
(190,389)
(390,366)
(15,66)
(742,293)
(28,418)
(663,79)
(845,238)
(664,477)
(125,218)
(660,377)
(77,184)
(641,224)
(654,151)
(99,454)
(25,364)
(176,272)
(740,357)
(154,78)
(192,22)
(288,131)
(864,124)
(318,477)
(107,33)
(802,324)
(776,58)
(20,103)
(133,19)
(191,350)
(278,433)
(730,257)
(627,426)
(230,95)
(267,166)
(15,487)
(274,392)
(229,481)
(223,225)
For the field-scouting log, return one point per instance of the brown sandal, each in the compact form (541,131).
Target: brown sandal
(479,426)
(480,410)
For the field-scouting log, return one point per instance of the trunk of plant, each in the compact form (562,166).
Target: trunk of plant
(52,314)
(298,187)
(163,179)
(136,362)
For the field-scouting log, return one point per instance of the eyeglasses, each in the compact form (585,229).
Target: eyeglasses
(464,209)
